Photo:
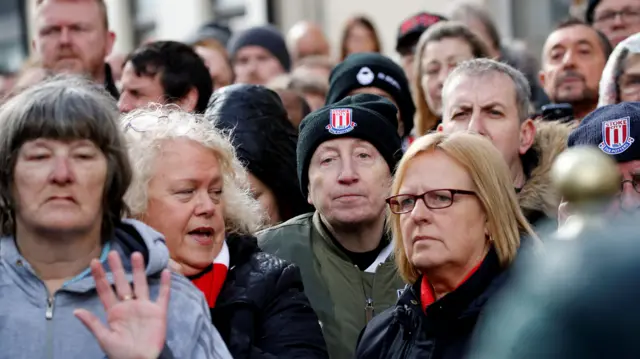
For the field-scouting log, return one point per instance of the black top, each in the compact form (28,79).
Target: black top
(405,331)
(262,311)
(361,259)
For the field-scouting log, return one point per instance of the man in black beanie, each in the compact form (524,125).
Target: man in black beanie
(346,155)
(376,74)
(258,55)
(617,19)
(615,129)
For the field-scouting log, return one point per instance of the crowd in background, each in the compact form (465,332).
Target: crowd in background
(307,204)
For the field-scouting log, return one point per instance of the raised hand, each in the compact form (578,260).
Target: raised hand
(136,326)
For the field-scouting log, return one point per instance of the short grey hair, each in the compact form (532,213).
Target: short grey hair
(147,130)
(65,107)
(487,67)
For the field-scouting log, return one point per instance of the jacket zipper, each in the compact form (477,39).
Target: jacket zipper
(368,310)
(48,314)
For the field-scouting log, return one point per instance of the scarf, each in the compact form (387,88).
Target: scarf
(210,281)
(428,297)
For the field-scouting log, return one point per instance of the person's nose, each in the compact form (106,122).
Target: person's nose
(569,59)
(125,104)
(477,124)
(62,172)
(348,173)
(206,205)
(421,213)
(65,36)
(629,198)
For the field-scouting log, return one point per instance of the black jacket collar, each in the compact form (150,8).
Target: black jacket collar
(466,300)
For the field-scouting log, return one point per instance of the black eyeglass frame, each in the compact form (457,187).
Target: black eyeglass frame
(452,191)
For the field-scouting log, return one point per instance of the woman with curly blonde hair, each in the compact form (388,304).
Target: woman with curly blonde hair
(189,185)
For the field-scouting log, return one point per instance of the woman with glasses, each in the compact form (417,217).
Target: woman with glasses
(457,226)
(189,185)
(620,81)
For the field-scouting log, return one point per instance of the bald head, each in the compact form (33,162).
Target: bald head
(306,39)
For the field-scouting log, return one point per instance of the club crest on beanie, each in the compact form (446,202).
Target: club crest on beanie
(615,129)
(371,118)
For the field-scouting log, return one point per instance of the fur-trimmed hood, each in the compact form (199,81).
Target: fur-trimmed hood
(538,198)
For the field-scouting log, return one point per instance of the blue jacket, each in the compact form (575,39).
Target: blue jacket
(34,324)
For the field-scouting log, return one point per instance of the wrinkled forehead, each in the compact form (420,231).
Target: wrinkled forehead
(479,90)
(67,12)
(575,35)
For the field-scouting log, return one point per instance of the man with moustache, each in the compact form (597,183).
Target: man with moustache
(573,58)
(73,36)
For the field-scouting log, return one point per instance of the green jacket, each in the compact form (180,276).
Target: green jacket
(341,294)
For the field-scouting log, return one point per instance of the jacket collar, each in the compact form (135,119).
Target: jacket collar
(538,196)
(466,300)
(326,236)
(130,236)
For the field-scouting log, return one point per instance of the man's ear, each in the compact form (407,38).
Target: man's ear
(541,78)
(190,100)
(527,136)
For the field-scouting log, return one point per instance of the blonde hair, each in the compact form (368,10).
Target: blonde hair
(493,187)
(146,131)
(426,120)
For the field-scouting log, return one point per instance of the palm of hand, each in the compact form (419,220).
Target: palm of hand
(133,322)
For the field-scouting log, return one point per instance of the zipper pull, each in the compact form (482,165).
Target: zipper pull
(49,313)
(368,310)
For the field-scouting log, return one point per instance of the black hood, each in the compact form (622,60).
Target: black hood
(264,139)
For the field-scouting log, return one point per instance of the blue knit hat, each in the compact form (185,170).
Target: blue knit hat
(615,129)
(267,37)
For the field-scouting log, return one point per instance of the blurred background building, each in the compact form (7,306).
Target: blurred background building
(136,21)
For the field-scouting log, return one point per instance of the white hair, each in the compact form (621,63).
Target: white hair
(146,131)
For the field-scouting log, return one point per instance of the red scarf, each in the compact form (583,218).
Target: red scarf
(212,280)
(428,297)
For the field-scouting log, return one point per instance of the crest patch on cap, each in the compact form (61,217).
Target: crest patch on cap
(340,121)
(615,136)
(365,76)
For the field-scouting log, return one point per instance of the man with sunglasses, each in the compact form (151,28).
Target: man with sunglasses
(615,129)
(346,153)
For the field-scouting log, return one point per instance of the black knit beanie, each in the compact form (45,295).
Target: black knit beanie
(615,129)
(373,70)
(267,37)
(591,8)
(368,117)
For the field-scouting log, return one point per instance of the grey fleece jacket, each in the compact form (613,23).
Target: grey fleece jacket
(36,324)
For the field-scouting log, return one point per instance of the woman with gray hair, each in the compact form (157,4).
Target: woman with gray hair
(189,184)
(64,173)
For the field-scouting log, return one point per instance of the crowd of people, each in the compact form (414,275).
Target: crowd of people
(248,195)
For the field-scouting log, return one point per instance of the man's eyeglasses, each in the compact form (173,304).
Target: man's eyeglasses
(634,184)
(435,199)
(628,15)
